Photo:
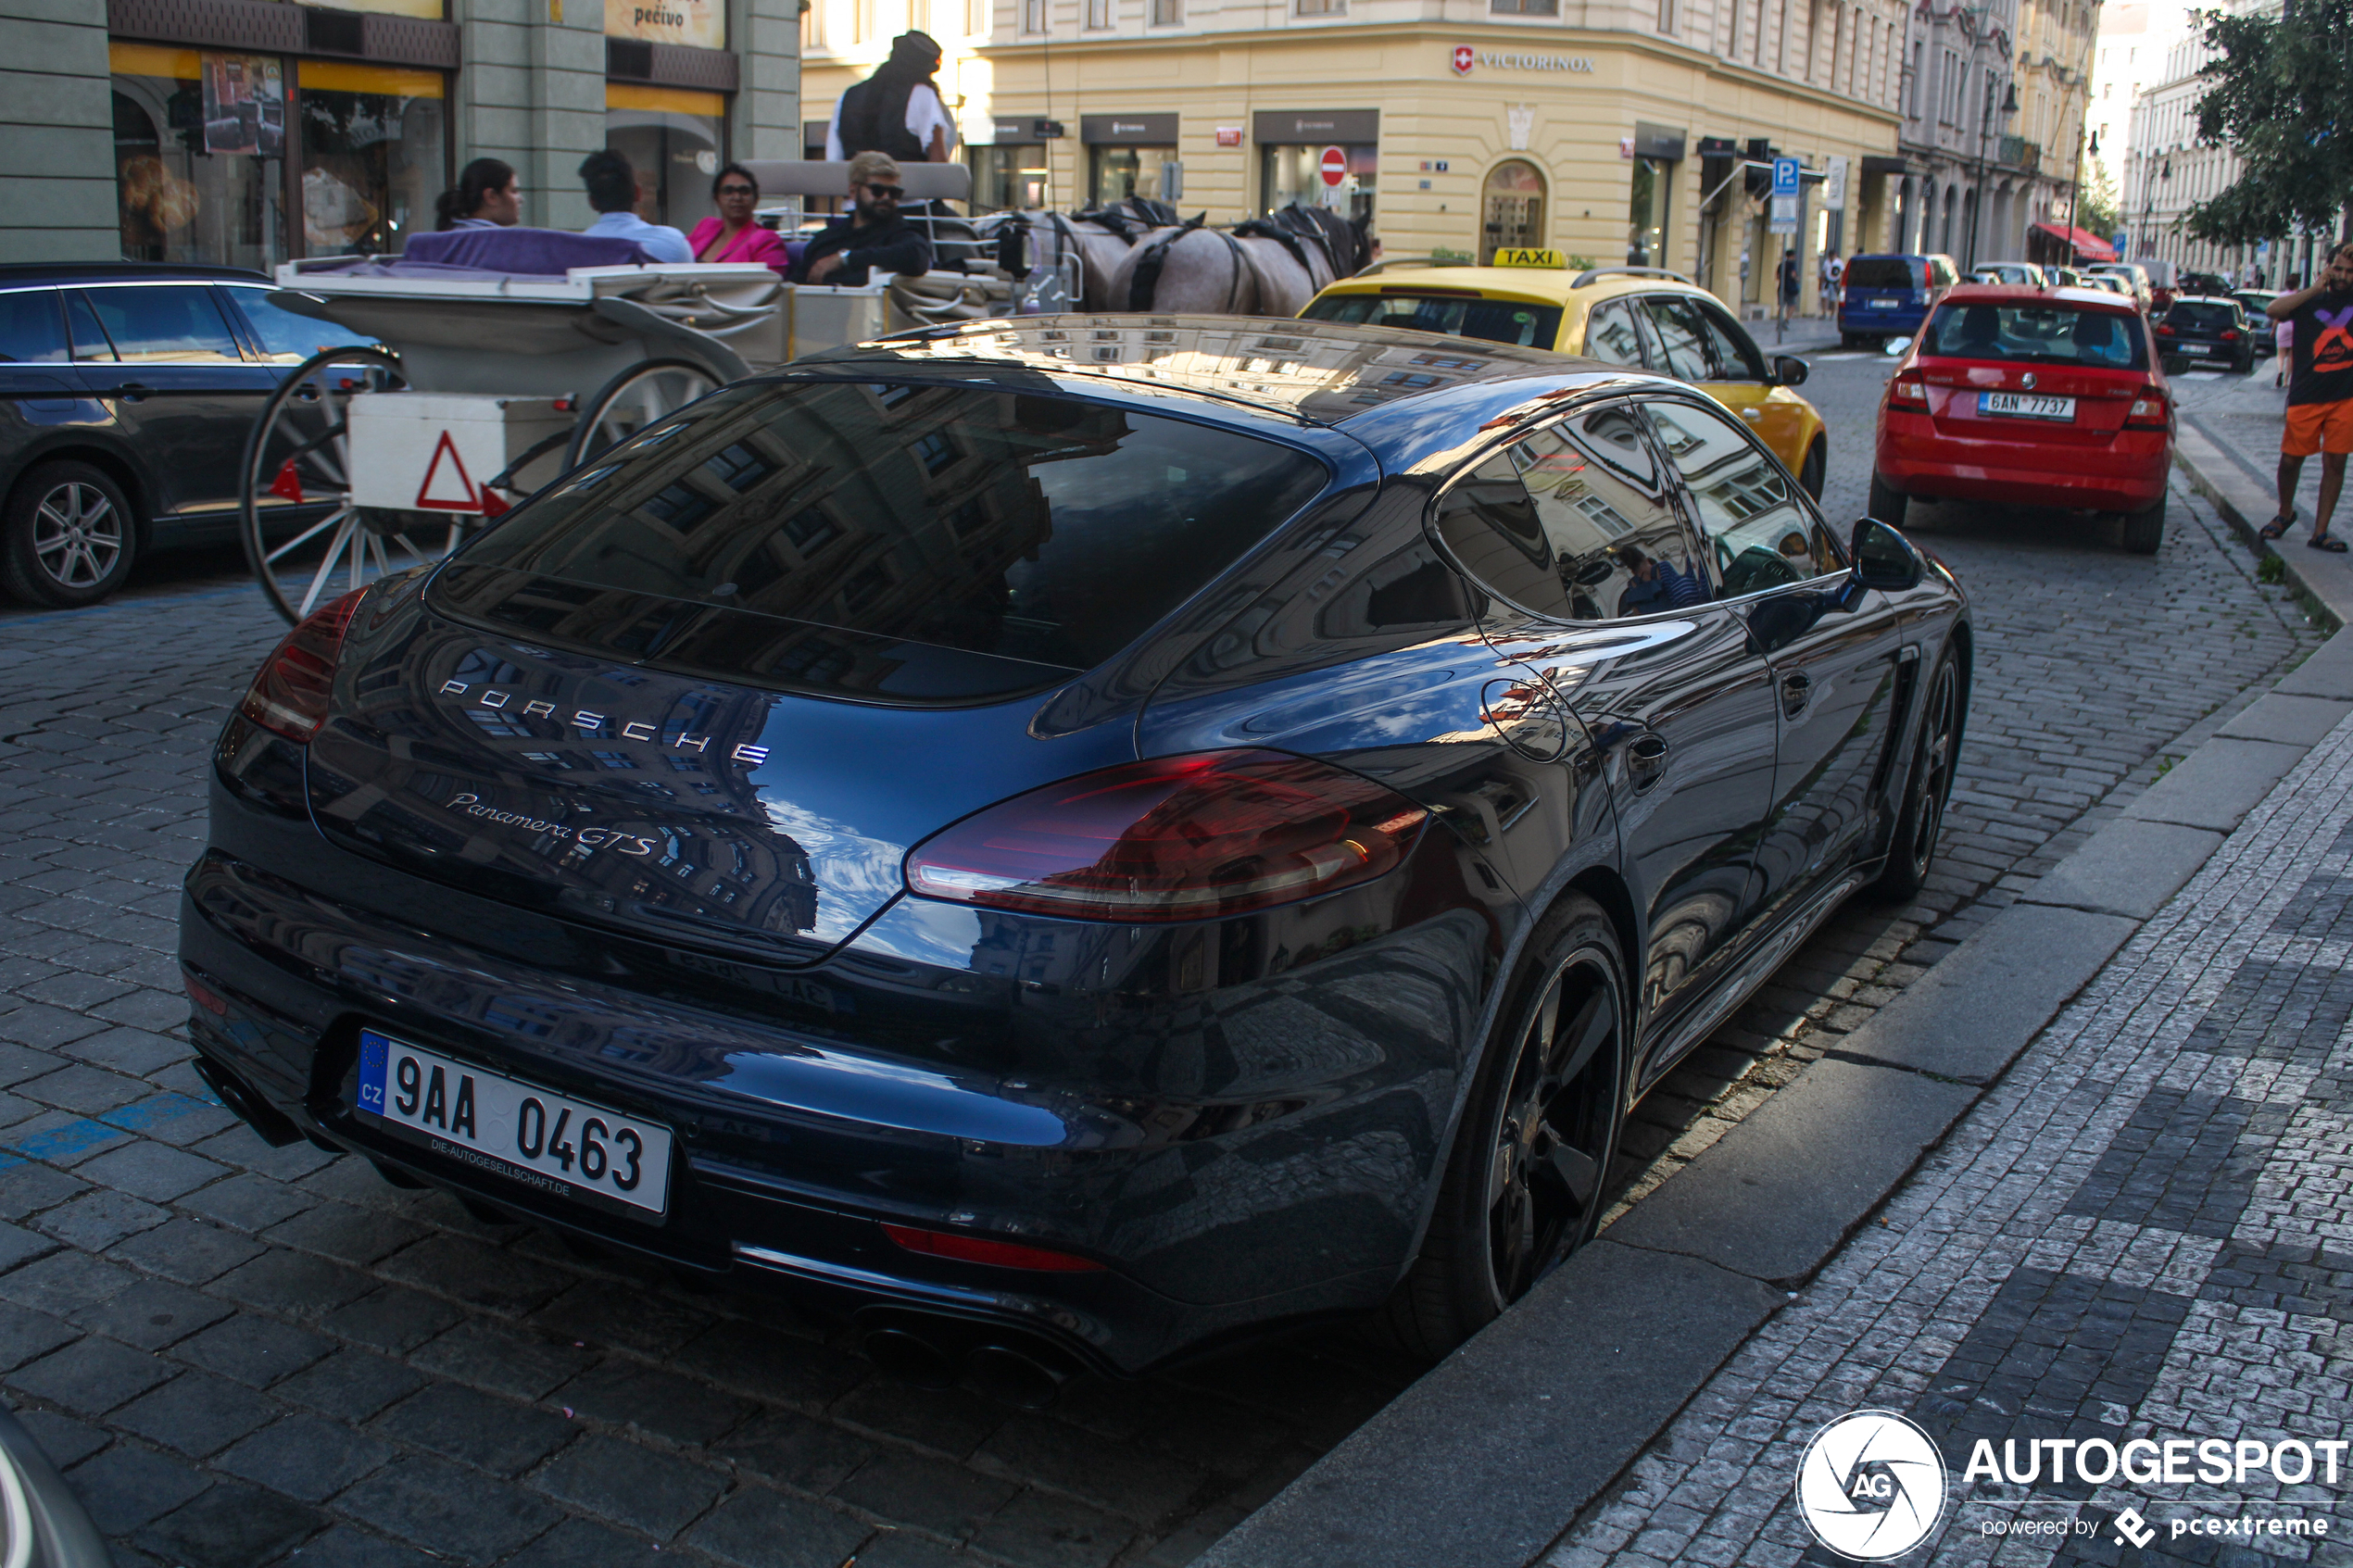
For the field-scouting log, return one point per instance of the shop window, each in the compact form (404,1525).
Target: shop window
(1292,173)
(675,139)
(1009,177)
(193,187)
(374,153)
(1514,209)
(1116,172)
(1654,177)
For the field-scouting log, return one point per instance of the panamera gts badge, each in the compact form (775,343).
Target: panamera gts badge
(594,723)
(587,838)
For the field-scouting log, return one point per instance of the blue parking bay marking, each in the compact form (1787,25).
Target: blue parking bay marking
(69,1138)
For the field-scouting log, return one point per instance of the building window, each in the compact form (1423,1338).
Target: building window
(1168,13)
(676,138)
(1666,16)
(1033,15)
(1523,7)
(976,19)
(1098,15)
(1322,8)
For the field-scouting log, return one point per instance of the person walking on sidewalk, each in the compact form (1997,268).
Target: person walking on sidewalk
(2319,395)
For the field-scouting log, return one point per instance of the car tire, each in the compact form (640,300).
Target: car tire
(1888,503)
(1810,473)
(1927,784)
(68,536)
(1539,1131)
(2144,531)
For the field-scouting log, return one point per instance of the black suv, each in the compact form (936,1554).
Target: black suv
(126,391)
(2206,329)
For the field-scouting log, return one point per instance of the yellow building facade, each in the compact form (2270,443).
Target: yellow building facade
(1599,133)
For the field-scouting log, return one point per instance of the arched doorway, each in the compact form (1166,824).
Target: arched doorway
(1512,208)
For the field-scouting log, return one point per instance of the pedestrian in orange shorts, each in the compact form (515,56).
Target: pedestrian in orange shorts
(2319,395)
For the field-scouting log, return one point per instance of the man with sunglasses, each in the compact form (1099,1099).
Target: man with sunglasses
(871,236)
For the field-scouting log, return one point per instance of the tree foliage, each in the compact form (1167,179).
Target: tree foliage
(2098,210)
(2277,95)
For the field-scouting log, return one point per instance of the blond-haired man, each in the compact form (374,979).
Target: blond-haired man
(871,237)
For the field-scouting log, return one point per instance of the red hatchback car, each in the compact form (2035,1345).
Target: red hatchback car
(2035,397)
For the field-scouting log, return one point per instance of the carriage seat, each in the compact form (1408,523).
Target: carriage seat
(542,253)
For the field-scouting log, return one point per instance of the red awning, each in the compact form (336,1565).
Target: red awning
(2088,247)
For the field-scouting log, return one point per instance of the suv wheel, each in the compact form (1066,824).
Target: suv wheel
(67,537)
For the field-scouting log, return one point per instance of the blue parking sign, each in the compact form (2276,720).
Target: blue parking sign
(1785,176)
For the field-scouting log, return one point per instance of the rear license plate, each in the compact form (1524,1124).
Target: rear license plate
(1882,304)
(2025,406)
(2202,348)
(550,1142)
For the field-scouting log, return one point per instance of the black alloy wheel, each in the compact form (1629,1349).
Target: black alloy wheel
(1911,852)
(1529,1177)
(68,536)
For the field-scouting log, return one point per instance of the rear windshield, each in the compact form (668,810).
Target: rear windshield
(1492,321)
(2042,334)
(2202,316)
(910,541)
(1882,272)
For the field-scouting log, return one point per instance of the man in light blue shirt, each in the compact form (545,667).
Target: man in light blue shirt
(612,191)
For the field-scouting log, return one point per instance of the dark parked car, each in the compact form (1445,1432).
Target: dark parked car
(1885,297)
(2197,333)
(126,391)
(1075,839)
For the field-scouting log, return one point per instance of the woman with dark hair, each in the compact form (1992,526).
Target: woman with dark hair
(897,110)
(733,235)
(485,198)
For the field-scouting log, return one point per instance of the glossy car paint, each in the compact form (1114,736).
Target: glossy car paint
(2205,337)
(2092,463)
(1244,1119)
(1873,312)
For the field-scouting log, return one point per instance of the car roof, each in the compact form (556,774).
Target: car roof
(2204,299)
(2023,294)
(1561,285)
(1324,373)
(23,274)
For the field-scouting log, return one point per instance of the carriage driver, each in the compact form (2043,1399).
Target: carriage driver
(871,236)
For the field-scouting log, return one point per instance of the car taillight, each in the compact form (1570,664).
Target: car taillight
(2147,412)
(1189,837)
(2165,329)
(289,697)
(1907,390)
(2230,334)
(981,1249)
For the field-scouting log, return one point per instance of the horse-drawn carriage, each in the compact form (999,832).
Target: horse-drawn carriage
(509,355)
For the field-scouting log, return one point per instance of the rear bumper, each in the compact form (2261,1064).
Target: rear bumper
(2126,475)
(1900,323)
(1214,1217)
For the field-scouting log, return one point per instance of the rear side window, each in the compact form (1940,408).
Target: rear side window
(1612,334)
(1884,273)
(171,323)
(2043,334)
(31,332)
(1759,532)
(1682,337)
(1733,350)
(912,542)
(1491,320)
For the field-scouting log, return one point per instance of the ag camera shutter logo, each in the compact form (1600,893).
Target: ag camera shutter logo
(1871,1485)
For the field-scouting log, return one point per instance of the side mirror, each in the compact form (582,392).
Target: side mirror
(1894,347)
(1884,558)
(1788,370)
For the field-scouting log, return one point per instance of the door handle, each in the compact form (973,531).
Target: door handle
(1751,414)
(1795,691)
(132,391)
(1646,759)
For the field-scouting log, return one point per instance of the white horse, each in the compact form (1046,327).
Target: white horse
(1266,267)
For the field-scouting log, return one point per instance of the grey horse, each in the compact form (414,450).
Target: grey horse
(1096,240)
(1270,266)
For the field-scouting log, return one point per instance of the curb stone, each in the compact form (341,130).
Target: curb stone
(1495,1453)
(2326,581)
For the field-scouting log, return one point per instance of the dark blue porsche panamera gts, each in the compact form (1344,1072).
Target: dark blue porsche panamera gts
(1077,841)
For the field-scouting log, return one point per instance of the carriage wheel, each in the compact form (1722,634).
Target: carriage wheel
(633,400)
(298,455)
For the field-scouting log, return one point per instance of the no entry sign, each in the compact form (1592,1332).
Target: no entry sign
(1334,164)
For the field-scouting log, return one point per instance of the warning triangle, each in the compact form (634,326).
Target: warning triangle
(451,492)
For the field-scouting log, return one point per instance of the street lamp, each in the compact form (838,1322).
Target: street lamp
(1985,133)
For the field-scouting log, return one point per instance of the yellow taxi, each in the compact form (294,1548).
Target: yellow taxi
(1644,317)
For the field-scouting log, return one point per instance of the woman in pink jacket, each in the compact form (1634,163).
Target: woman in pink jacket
(733,235)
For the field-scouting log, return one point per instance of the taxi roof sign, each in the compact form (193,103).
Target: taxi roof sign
(1508,256)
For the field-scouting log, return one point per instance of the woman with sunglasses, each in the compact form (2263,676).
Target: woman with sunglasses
(734,235)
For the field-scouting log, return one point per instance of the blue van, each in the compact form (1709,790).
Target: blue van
(1885,297)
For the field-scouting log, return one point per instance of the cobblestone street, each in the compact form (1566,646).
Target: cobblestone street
(2139,1234)
(239,1353)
